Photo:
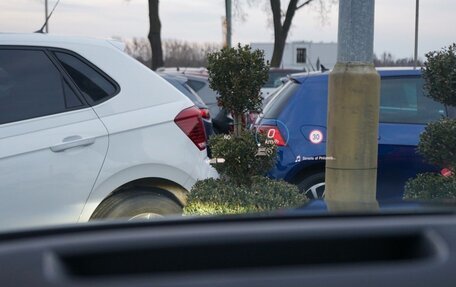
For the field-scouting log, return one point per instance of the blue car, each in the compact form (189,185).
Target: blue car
(295,117)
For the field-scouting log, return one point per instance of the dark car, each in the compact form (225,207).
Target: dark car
(296,119)
(275,80)
(181,83)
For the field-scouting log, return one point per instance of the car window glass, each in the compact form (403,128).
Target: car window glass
(275,77)
(278,102)
(193,95)
(71,100)
(89,81)
(31,86)
(186,90)
(402,101)
(208,95)
(196,85)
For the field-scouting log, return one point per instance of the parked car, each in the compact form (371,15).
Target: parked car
(221,119)
(275,80)
(252,117)
(296,118)
(180,82)
(87,132)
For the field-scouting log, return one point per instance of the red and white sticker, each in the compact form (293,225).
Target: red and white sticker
(446,172)
(316,136)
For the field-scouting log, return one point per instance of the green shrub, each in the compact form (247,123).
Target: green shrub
(242,160)
(219,196)
(430,186)
(439,74)
(438,143)
(237,74)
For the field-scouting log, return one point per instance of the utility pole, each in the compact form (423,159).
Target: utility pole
(353,112)
(417,13)
(228,22)
(46,15)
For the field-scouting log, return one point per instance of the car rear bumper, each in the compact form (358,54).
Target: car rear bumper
(201,171)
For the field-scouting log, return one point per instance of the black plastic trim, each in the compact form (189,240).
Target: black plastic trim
(52,50)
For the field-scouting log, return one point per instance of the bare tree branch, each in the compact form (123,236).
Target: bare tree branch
(289,15)
(303,4)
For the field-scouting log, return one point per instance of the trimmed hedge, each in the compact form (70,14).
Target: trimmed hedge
(237,74)
(439,75)
(219,196)
(430,186)
(438,143)
(242,160)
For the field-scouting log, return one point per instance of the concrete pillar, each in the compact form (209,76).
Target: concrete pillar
(353,112)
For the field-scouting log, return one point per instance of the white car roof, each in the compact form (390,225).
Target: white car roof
(41,39)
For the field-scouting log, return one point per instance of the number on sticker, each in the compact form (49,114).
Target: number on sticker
(271,133)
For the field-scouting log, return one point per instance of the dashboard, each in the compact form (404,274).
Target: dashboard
(288,250)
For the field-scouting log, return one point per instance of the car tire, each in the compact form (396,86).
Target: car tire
(136,204)
(313,186)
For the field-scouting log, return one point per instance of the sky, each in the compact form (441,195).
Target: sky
(201,21)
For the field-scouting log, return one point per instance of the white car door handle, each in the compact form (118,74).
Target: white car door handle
(71,142)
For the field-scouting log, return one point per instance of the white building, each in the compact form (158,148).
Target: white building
(302,54)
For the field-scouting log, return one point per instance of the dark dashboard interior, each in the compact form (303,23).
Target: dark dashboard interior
(376,250)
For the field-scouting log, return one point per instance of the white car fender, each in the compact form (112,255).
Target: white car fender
(160,171)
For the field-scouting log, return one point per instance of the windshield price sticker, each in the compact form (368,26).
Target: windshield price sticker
(316,136)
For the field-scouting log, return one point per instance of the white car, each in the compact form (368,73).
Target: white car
(87,132)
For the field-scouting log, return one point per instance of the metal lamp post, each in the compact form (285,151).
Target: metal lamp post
(46,15)
(228,22)
(417,13)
